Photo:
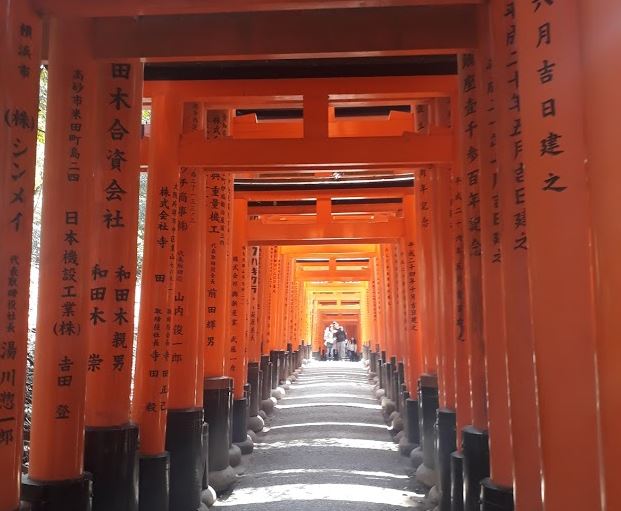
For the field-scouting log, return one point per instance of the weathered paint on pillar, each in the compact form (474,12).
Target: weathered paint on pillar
(57,435)
(238,343)
(601,42)
(470,69)
(112,264)
(153,355)
(514,267)
(20,41)
(559,255)
(219,193)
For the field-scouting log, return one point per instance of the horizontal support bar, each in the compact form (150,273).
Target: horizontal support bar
(409,149)
(97,8)
(363,32)
(312,234)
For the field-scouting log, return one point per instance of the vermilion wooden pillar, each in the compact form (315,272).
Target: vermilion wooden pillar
(111,439)
(472,130)
(424,219)
(218,386)
(20,40)
(379,306)
(446,415)
(153,356)
(238,343)
(559,256)
(252,299)
(427,269)
(414,362)
(265,276)
(216,319)
(600,40)
(57,434)
(497,489)
(514,249)
(185,415)
(462,379)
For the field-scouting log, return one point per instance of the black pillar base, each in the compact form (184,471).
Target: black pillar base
(457,481)
(254,379)
(494,497)
(111,456)
(476,465)
(240,427)
(205,453)
(217,408)
(275,368)
(154,484)
(428,406)
(69,495)
(446,444)
(266,382)
(184,432)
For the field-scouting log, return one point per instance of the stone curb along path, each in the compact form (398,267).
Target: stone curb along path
(326,447)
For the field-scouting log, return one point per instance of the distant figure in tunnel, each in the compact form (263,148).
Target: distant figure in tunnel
(340,337)
(328,341)
(352,350)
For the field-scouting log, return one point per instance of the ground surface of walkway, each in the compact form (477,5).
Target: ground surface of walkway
(326,448)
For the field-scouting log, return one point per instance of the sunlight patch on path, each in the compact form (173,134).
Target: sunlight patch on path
(325,492)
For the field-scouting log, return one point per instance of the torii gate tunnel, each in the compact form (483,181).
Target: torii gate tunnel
(437,176)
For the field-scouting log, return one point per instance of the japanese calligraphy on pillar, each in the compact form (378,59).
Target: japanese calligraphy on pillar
(421,117)
(471,126)
(543,16)
(219,192)
(113,248)
(62,316)
(457,221)
(218,124)
(489,186)
(253,324)
(511,145)
(411,281)
(215,239)
(20,55)
(237,293)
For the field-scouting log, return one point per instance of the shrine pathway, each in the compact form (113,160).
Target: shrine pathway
(326,448)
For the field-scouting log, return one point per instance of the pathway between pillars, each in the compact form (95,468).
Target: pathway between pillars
(326,448)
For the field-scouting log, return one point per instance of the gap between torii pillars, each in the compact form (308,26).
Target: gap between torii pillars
(56,479)
(559,255)
(20,40)
(111,440)
(150,403)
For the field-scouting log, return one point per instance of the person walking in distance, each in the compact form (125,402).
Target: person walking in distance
(340,338)
(328,341)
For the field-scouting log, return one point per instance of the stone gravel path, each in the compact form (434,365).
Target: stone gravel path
(326,448)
